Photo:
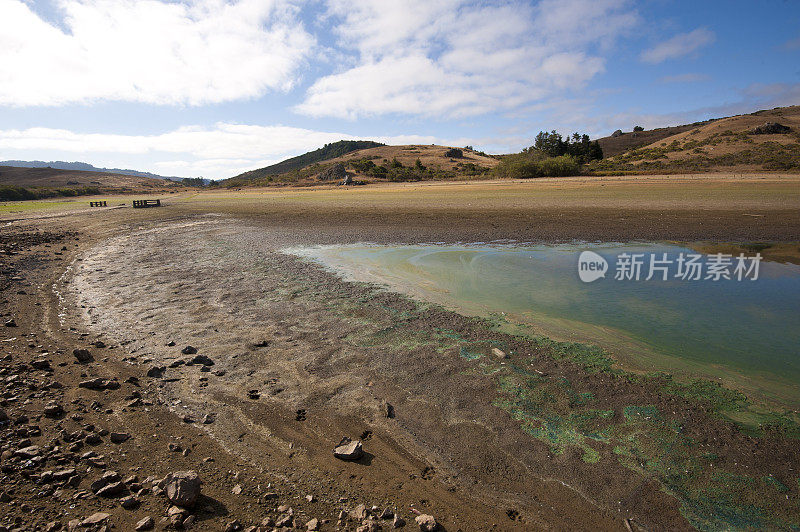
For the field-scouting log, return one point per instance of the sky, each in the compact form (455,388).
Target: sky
(213,88)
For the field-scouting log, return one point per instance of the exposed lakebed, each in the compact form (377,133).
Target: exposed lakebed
(745,332)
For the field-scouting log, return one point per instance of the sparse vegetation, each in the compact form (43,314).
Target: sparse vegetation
(531,164)
(454,153)
(14,193)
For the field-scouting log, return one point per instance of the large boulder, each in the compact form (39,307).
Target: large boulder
(183,488)
(333,173)
(771,128)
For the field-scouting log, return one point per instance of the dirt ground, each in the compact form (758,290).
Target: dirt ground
(302,359)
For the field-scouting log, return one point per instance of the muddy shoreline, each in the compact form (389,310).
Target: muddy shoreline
(456,446)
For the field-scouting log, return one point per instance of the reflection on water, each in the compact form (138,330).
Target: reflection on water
(730,329)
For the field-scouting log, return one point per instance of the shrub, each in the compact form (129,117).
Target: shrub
(638,128)
(531,165)
(454,153)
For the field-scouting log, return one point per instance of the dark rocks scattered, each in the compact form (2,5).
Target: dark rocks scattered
(348,450)
(202,360)
(156,372)
(771,128)
(53,410)
(41,363)
(82,355)
(336,172)
(183,488)
(189,350)
(99,384)
(11,323)
(119,437)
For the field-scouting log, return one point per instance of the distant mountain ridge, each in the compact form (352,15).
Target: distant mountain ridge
(85,167)
(329,151)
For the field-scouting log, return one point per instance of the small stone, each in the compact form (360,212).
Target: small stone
(183,488)
(348,450)
(119,437)
(398,522)
(53,410)
(40,363)
(3,416)
(233,526)
(189,350)
(313,524)
(237,489)
(202,360)
(359,513)
(28,452)
(146,524)
(11,323)
(95,519)
(209,419)
(82,355)
(387,514)
(426,523)
(156,372)
(498,353)
(129,503)
(111,490)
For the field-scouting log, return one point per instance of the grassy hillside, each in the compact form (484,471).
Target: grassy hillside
(730,144)
(31,183)
(327,152)
(630,140)
(383,163)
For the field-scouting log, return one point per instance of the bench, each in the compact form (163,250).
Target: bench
(97,204)
(142,203)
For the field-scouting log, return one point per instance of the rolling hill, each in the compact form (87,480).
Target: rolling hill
(30,183)
(327,152)
(400,163)
(742,143)
(77,165)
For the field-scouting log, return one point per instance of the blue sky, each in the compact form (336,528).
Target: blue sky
(212,88)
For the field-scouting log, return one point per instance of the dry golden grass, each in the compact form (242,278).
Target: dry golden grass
(430,155)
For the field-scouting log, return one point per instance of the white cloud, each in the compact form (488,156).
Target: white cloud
(193,52)
(451,58)
(221,151)
(678,46)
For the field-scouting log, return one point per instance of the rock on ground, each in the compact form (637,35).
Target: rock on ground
(183,488)
(426,523)
(348,450)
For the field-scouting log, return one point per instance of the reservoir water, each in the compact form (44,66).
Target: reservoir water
(745,332)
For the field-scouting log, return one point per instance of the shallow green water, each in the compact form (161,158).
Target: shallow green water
(746,332)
